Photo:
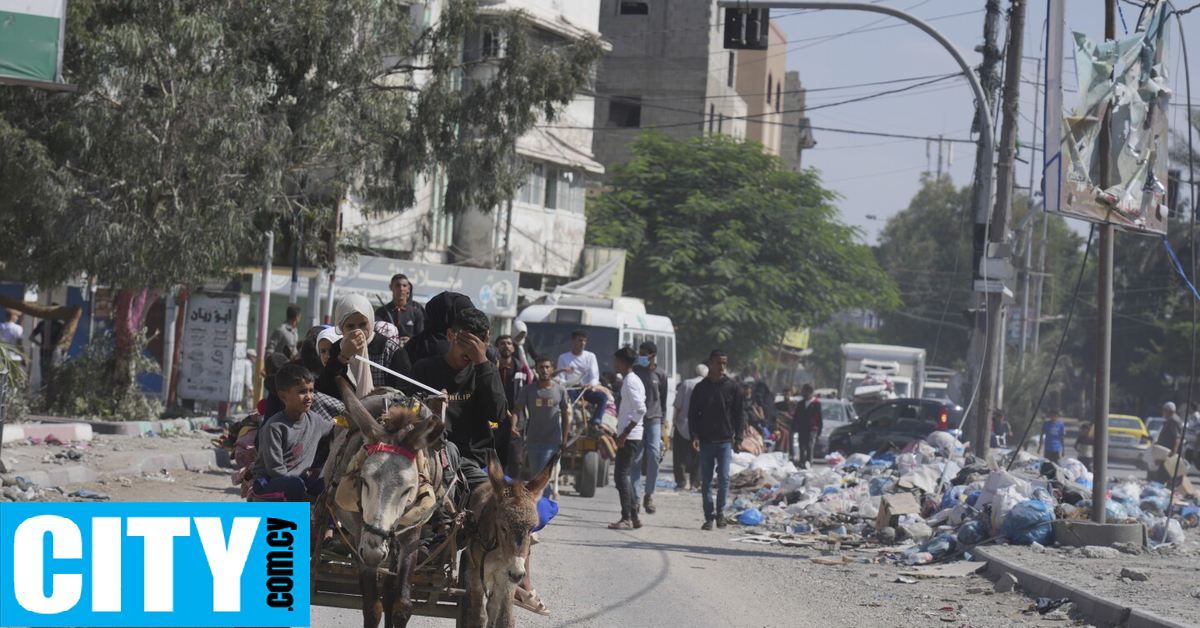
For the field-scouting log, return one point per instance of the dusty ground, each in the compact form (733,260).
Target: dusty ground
(1172,590)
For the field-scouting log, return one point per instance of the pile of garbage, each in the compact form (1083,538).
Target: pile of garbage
(932,501)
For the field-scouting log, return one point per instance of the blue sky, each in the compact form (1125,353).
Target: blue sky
(878,176)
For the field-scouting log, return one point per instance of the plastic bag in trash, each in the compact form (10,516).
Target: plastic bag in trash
(952,497)
(1044,496)
(972,533)
(750,517)
(879,485)
(1153,504)
(905,463)
(1021,525)
(834,459)
(1156,490)
(1166,532)
(1002,503)
(857,460)
(1127,493)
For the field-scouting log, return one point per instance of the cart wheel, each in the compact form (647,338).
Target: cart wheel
(585,484)
(464,607)
(602,478)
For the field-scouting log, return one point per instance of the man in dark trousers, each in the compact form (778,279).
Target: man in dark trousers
(473,384)
(514,374)
(716,422)
(655,381)
(407,315)
(806,425)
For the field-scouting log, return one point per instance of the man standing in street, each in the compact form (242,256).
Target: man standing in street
(1170,437)
(655,381)
(407,315)
(285,338)
(806,425)
(514,375)
(1053,432)
(51,356)
(716,423)
(581,361)
(629,425)
(686,460)
(548,407)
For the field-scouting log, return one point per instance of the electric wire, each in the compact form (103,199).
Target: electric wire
(1192,178)
(1058,352)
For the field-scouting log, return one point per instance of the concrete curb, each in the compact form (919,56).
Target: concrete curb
(74,431)
(136,428)
(60,476)
(67,475)
(1090,605)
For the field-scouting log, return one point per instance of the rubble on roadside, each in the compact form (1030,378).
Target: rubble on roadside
(932,502)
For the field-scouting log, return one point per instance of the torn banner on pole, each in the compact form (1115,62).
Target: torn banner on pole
(1138,95)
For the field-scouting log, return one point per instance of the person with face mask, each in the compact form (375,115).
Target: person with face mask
(654,380)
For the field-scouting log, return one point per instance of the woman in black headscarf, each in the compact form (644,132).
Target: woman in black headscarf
(440,312)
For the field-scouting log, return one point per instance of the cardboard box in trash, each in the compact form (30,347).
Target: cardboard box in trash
(892,506)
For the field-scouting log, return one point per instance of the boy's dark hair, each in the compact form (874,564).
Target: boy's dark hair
(649,347)
(473,321)
(274,362)
(716,353)
(398,277)
(293,311)
(626,355)
(502,338)
(292,375)
(579,333)
(543,358)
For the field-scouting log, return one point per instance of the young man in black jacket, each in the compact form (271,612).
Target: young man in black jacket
(716,422)
(477,403)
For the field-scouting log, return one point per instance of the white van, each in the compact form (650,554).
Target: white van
(610,324)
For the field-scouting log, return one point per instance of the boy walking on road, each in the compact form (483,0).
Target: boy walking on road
(806,424)
(655,381)
(629,424)
(716,422)
(549,417)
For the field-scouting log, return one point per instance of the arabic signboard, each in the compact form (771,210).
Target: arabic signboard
(493,291)
(31,40)
(1137,96)
(214,343)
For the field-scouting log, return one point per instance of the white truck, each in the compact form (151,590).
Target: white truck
(882,371)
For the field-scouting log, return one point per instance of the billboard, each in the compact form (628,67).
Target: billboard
(1128,77)
(493,291)
(31,41)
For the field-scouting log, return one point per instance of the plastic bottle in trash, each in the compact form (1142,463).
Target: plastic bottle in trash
(920,558)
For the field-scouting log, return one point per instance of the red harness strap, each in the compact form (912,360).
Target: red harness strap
(391,449)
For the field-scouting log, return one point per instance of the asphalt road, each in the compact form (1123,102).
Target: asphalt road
(671,573)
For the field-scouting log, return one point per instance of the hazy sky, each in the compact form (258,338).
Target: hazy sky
(878,176)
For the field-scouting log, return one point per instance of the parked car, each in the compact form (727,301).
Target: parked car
(897,422)
(835,413)
(1154,426)
(1128,439)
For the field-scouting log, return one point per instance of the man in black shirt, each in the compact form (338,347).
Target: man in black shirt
(407,315)
(476,395)
(716,422)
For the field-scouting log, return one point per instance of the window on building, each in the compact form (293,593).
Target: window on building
(625,112)
(732,65)
(769,81)
(533,190)
(634,8)
(493,44)
(564,189)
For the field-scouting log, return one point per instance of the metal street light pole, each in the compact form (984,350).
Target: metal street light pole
(983,196)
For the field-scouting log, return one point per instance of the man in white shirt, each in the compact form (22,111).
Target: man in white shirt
(579,360)
(629,425)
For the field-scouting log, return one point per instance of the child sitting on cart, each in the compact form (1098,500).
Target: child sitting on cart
(293,443)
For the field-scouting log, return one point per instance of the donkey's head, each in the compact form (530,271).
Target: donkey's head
(387,479)
(515,513)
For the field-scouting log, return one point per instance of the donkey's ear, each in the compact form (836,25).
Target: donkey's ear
(539,481)
(496,473)
(424,434)
(358,415)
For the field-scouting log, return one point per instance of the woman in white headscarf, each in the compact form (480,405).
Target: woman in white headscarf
(325,342)
(355,319)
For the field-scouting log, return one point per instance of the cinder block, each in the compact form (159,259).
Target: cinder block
(63,431)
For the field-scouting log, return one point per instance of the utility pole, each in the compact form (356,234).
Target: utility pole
(1104,303)
(1029,239)
(981,202)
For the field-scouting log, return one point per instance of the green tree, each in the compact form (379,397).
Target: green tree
(199,123)
(730,245)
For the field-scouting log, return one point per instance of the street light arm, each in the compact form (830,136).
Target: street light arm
(980,99)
